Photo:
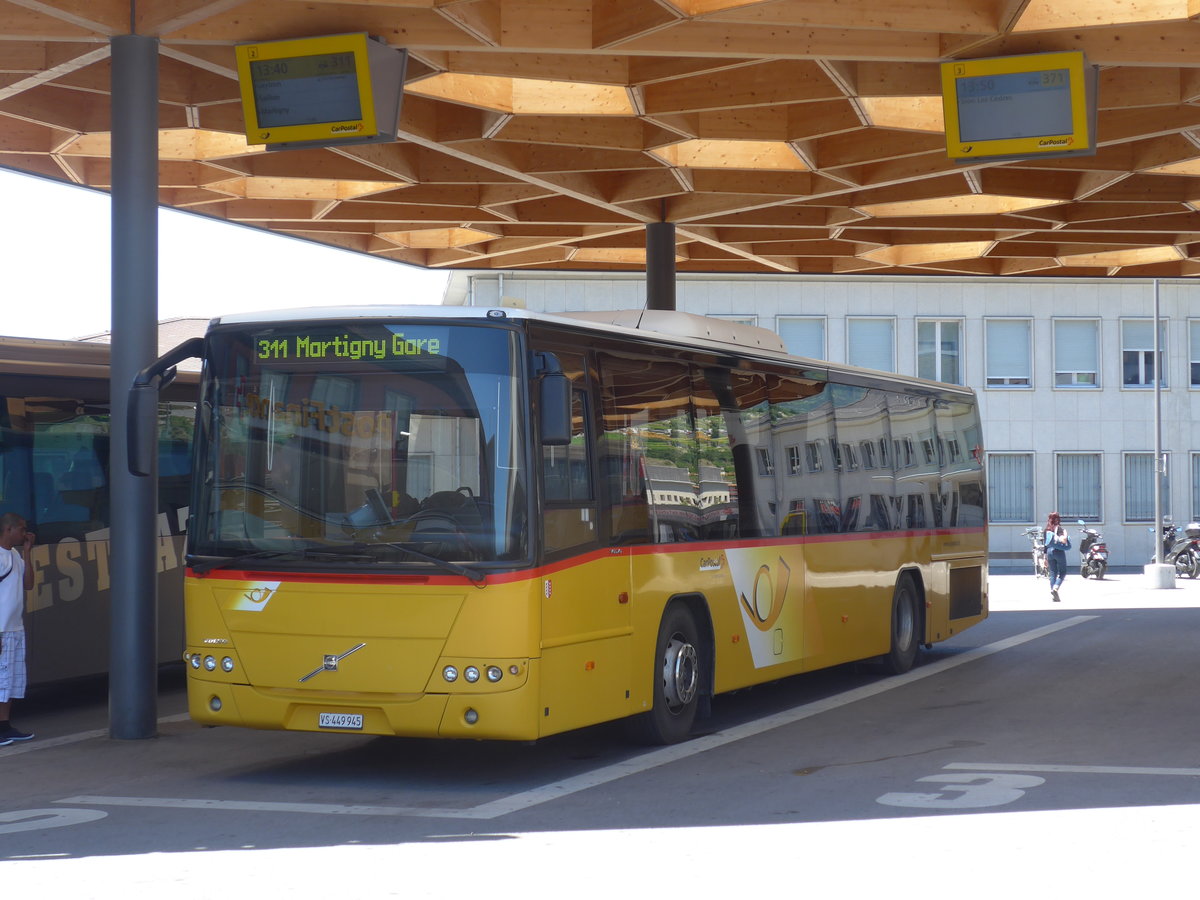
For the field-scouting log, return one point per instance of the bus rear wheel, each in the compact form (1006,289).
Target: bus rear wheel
(678,681)
(906,621)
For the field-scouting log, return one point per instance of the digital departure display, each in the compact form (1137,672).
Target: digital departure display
(305,90)
(321,91)
(1019,107)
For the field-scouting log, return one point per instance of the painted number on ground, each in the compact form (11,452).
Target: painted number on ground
(33,819)
(964,790)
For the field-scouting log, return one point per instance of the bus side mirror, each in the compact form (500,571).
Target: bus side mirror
(143,428)
(554,404)
(141,416)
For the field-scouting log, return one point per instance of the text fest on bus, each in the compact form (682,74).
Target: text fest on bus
(55,429)
(498,524)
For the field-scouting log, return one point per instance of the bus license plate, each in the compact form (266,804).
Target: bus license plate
(339,720)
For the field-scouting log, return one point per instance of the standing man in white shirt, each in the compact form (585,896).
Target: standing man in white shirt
(16,577)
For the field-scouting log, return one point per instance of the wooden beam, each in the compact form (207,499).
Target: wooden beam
(617,21)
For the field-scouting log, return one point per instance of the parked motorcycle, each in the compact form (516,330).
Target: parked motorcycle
(1183,552)
(1037,541)
(1093,553)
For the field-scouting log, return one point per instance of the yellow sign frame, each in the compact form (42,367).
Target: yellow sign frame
(1079,141)
(324,46)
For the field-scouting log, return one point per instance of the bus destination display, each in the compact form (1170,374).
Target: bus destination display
(318,347)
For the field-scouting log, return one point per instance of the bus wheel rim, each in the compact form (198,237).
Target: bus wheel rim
(681,674)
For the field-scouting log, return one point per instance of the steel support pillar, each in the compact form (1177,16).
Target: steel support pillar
(660,265)
(133,661)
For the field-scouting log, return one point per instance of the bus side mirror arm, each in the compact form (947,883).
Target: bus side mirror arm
(141,431)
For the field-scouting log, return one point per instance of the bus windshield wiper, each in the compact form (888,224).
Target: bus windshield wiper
(203,568)
(453,568)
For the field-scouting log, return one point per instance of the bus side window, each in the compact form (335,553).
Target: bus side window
(648,450)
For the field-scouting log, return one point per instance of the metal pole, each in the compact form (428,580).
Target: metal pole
(660,265)
(1158,460)
(133,663)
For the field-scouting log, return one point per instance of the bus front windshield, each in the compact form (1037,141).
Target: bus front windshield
(360,443)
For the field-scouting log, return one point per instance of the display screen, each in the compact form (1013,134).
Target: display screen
(1015,105)
(323,345)
(306,90)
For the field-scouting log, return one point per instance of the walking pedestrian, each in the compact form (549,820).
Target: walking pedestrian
(1057,544)
(16,577)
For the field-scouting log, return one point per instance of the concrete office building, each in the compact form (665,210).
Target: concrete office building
(1063,369)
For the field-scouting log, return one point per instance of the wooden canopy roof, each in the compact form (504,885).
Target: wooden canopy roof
(779,135)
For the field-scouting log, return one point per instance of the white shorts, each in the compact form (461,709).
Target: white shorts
(12,665)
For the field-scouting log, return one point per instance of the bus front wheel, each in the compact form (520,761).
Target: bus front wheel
(906,622)
(678,681)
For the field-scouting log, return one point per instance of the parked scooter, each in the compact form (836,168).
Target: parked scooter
(1037,539)
(1093,553)
(1183,552)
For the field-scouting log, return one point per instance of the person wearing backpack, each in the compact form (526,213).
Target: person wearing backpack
(1057,542)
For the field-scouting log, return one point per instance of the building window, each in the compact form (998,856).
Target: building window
(850,457)
(1078,490)
(939,350)
(871,343)
(1076,353)
(835,451)
(868,454)
(794,460)
(735,319)
(1010,488)
(802,335)
(765,466)
(812,450)
(1139,488)
(1194,352)
(1137,352)
(1009,352)
(1196,487)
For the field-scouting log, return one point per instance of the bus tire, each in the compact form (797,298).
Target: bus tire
(905,628)
(678,680)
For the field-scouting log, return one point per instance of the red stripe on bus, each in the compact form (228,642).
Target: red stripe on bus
(582,559)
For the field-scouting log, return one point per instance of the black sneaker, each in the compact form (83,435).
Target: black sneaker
(13,734)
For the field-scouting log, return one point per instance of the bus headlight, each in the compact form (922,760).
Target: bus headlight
(210,663)
(471,674)
(227,664)
(494,674)
(450,674)
(195,660)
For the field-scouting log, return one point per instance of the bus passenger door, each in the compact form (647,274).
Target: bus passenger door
(585,605)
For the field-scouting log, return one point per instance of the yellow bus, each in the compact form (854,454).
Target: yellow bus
(468,523)
(55,430)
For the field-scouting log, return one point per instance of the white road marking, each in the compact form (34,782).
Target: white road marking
(1081,770)
(36,819)
(325,809)
(616,771)
(67,739)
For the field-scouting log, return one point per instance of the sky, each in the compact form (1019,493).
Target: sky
(54,260)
